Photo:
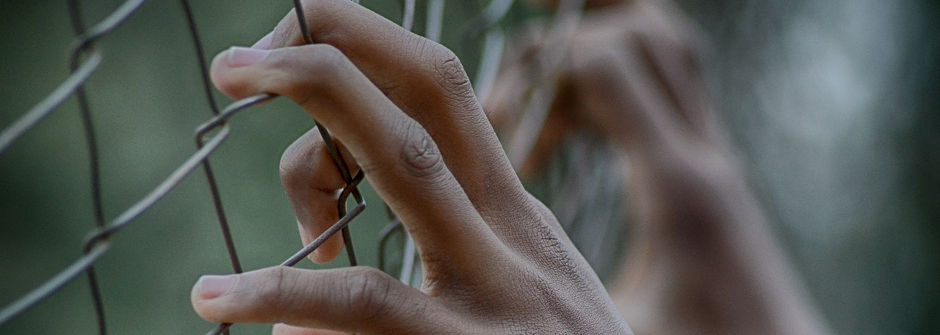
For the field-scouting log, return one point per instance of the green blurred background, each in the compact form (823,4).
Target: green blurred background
(833,104)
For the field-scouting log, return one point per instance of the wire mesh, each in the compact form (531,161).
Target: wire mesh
(85,59)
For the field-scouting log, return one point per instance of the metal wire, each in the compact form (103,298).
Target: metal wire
(85,60)
(99,241)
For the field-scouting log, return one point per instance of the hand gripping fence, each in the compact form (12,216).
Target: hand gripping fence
(84,61)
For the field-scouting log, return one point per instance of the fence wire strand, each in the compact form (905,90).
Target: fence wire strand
(85,61)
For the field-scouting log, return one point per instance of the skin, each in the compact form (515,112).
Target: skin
(589,4)
(701,258)
(494,258)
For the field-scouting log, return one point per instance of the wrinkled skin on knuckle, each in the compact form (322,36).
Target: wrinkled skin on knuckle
(419,154)
(367,292)
(452,79)
(272,295)
(442,75)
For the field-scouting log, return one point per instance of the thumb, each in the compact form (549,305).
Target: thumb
(338,299)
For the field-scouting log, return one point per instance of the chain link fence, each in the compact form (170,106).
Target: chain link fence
(482,32)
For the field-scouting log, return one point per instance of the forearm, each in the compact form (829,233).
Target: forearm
(712,239)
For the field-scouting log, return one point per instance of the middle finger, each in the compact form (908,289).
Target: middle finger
(427,82)
(396,154)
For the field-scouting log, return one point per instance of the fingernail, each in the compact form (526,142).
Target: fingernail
(264,43)
(211,287)
(240,56)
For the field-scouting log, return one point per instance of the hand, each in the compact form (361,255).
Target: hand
(494,259)
(631,73)
(701,258)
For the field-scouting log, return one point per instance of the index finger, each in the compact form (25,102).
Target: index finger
(425,80)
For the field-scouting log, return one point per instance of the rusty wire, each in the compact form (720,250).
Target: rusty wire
(85,60)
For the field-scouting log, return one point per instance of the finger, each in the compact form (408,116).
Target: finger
(313,185)
(285,329)
(507,99)
(516,77)
(611,80)
(357,299)
(674,62)
(398,157)
(664,49)
(426,81)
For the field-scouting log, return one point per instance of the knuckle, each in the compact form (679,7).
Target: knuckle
(329,56)
(304,77)
(368,291)
(290,168)
(419,153)
(451,78)
(326,61)
(595,63)
(272,294)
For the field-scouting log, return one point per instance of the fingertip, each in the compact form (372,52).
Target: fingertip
(228,70)
(211,287)
(218,73)
(329,251)
(216,67)
(207,289)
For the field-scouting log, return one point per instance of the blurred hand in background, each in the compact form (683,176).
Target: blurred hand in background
(700,258)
